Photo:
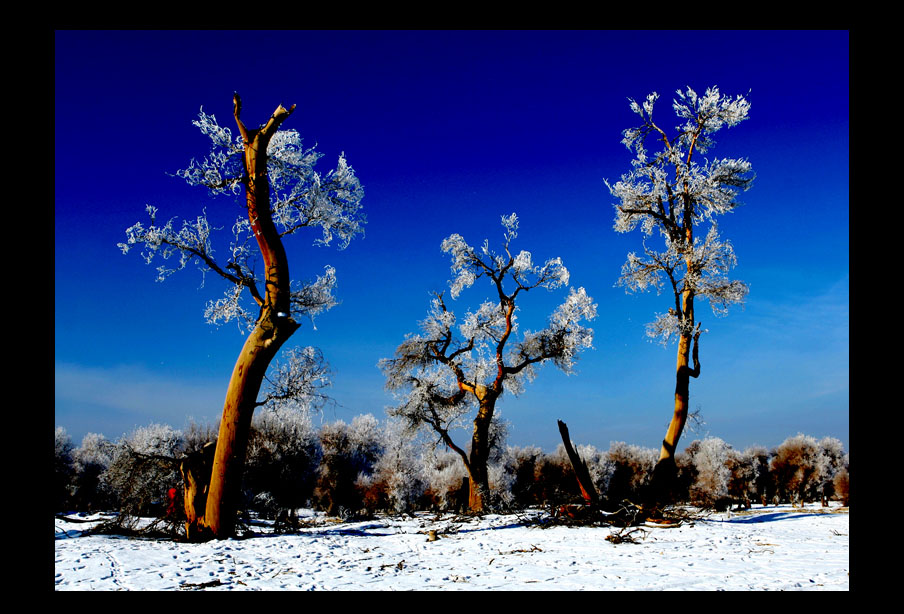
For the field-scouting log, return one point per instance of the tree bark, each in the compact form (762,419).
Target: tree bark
(585,483)
(273,328)
(195,469)
(665,472)
(478,473)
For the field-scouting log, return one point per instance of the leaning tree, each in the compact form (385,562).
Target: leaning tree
(283,194)
(448,372)
(675,191)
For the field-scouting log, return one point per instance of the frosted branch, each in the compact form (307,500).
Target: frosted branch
(439,373)
(316,297)
(229,308)
(189,242)
(300,197)
(671,191)
(299,379)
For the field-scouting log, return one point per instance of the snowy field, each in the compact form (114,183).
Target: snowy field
(772,548)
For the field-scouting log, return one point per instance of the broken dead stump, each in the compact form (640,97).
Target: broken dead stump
(585,483)
(195,468)
(595,510)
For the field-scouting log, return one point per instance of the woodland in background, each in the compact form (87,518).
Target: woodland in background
(355,470)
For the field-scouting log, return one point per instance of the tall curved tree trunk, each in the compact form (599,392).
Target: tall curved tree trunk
(683,374)
(665,472)
(699,192)
(274,326)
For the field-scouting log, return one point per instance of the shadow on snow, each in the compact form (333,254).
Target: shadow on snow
(768,517)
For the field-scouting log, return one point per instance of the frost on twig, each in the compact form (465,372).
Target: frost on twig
(672,191)
(301,197)
(298,380)
(190,241)
(487,346)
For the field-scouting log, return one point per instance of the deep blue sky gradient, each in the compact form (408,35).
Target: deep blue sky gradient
(449,130)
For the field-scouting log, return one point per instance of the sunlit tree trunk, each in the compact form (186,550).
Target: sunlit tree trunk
(683,373)
(235,425)
(195,469)
(478,472)
(274,326)
(665,472)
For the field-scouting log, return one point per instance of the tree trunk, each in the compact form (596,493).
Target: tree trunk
(479,484)
(273,328)
(195,469)
(585,483)
(686,318)
(478,487)
(235,426)
(682,395)
(664,474)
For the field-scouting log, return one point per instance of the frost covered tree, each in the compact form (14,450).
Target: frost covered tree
(626,471)
(63,469)
(829,463)
(841,483)
(804,469)
(762,488)
(398,480)
(451,370)
(92,459)
(283,195)
(795,468)
(674,190)
(711,459)
(744,468)
(143,467)
(525,463)
(446,480)
(350,452)
(282,460)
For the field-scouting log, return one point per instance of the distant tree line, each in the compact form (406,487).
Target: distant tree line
(364,467)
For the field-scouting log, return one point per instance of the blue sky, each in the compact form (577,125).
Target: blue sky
(449,130)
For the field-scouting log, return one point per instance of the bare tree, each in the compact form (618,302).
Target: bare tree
(283,194)
(446,374)
(674,191)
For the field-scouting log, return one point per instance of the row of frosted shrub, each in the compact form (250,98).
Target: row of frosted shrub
(366,467)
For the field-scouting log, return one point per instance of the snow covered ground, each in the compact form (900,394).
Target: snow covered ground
(772,548)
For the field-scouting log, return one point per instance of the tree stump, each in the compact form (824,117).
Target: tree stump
(195,468)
